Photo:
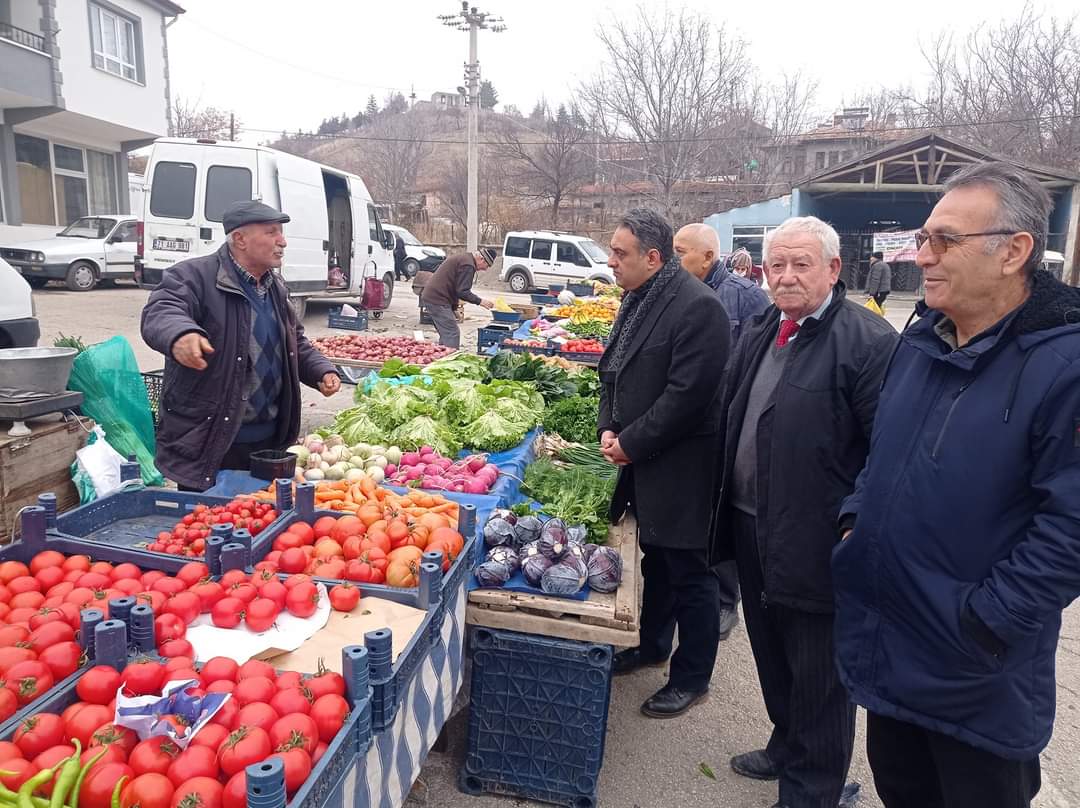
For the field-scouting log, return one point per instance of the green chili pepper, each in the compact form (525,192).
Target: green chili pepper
(116,791)
(66,779)
(9,797)
(27,789)
(82,776)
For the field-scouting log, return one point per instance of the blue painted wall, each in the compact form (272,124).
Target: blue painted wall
(769,212)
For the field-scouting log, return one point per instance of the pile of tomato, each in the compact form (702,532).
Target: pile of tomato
(269,715)
(365,548)
(188,536)
(583,346)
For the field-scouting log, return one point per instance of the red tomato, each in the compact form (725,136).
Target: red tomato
(226,715)
(344,598)
(169,627)
(245,746)
(209,593)
(320,750)
(29,683)
(62,659)
(192,573)
(255,668)
(244,591)
(199,792)
(143,678)
(148,578)
(24,583)
(112,735)
(125,571)
(154,600)
(27,600)
(10,570)
(97,788)
(51,633)
(323,526)
(219,668)
(21,771)
(258,714)
(329,713)
(129,586)
(49,577)
(221,686)
(302,600)
(261,614)
(49,758)
(94,580)
(227,612)
(45,559)
(179,663)
(274,590)
(8,750)
(236,791)
(325,682)
(37,733)
(249,691)
(233,577)
(148,790)
(195,761)
(9,704)
(83,720)
(295,730)
(174,648)
(289,679)
(112,754)
(292,700)
(79,562)
(98,685)
(10,635)
(297,767)
(154,755)
(185,605)
(304,531)
(211,735)
(293,559)
(296,580)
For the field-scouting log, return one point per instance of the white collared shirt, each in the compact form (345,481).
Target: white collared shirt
(802,320)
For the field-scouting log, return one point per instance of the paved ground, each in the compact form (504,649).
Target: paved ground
(647,763)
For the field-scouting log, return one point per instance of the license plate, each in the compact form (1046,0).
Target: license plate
(171,244)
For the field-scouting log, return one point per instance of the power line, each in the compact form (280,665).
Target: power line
(667,141)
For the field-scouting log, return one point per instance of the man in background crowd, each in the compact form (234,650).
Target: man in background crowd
(879,279)
(449,286)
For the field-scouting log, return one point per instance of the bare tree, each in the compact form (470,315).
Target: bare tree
(545,164)
(667,81)
(189,119)
(395,155)
(1012,89)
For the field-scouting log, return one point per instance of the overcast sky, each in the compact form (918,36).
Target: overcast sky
(284,65)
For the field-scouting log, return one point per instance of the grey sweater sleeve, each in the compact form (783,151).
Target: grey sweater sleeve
(464,285)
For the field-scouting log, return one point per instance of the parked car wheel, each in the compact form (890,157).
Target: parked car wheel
(81,277)
(518,281)
(388,289)
(412,266)
(37,283)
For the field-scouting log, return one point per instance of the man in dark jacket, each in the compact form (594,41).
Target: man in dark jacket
(698,246)
(964,542)
(452,283)
(234,352)
(660,380)
(799,400)
(879,279)
(399,258)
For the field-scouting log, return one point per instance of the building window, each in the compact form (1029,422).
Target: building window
(786,167)
(800,164)
(34,167)
(114,38)
(847,155)
(819,160)
(834,158)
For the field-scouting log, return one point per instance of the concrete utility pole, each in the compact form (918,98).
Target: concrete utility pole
(471,20)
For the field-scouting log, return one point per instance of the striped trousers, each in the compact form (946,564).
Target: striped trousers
(813,720)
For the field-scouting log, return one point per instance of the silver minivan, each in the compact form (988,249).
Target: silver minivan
(539,258)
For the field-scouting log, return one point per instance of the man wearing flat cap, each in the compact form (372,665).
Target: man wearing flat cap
(452,283)
(235,353)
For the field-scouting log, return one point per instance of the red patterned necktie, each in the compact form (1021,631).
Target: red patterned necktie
(787,331)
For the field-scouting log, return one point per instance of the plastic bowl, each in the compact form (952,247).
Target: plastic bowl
(272,464)
(506,316)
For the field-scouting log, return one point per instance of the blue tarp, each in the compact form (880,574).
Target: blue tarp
(511,465)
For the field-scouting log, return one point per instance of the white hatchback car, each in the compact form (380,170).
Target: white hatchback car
(417,255)
(535,258)
(18,321)
(87,251)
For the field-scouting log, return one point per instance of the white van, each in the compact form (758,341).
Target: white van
(533,258)
(190,183)
(18,321)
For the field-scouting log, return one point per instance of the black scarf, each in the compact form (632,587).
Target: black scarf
(635,306)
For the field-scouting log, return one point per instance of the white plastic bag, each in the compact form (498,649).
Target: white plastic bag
(101,462)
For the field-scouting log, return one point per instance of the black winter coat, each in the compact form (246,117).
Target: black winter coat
(812,442)
(201,410)
(668,388)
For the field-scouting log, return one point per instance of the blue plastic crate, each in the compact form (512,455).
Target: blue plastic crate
(538,350)
(492,335)
(339,320)
(506,316)
(537,718)
(583,358)
(544,300)
(581,289)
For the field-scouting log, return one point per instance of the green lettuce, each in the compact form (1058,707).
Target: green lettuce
(492,432)
(426,431)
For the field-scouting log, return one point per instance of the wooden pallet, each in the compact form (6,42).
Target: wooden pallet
(371,365)
(611,618)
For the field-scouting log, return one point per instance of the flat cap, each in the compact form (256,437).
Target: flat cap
(249,211)
(488,255)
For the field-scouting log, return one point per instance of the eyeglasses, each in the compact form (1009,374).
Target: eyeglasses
(941,242)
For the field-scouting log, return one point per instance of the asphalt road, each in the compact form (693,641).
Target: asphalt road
(647,763)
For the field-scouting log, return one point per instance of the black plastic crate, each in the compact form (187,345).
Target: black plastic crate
(581,357)
(544,300)
(155,382)
(339,320)
(539,350)
(581,289)
(537,718)
(492,335)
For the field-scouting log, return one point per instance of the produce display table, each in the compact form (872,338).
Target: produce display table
(612,618)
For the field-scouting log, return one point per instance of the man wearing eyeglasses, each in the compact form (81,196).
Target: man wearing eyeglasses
(962,538)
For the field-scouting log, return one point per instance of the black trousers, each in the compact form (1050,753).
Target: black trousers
(238,457)
(679,588)
(813,720)
(727,574)
(916,768)
(880,297)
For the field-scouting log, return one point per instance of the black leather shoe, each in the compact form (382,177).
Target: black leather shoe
(729,618)
(849,797)
(756,765)
(669,701)
(631,660)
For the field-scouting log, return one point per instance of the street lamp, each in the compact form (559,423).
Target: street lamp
(471,20)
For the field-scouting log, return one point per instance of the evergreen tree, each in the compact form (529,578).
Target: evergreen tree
(372,108)
(489,96)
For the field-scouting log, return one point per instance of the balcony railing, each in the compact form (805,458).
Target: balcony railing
(30,40)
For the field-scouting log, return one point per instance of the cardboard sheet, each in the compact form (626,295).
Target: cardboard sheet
(348,629)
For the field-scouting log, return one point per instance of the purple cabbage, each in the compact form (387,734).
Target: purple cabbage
(505,515)
(578,552)
(533,568)
(505,555)
(493,573)
(527,529)
(576,534)
(564,578)
(605,569)
(553,541)
(498,532)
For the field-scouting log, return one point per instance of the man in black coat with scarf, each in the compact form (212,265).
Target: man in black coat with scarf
(660,380)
